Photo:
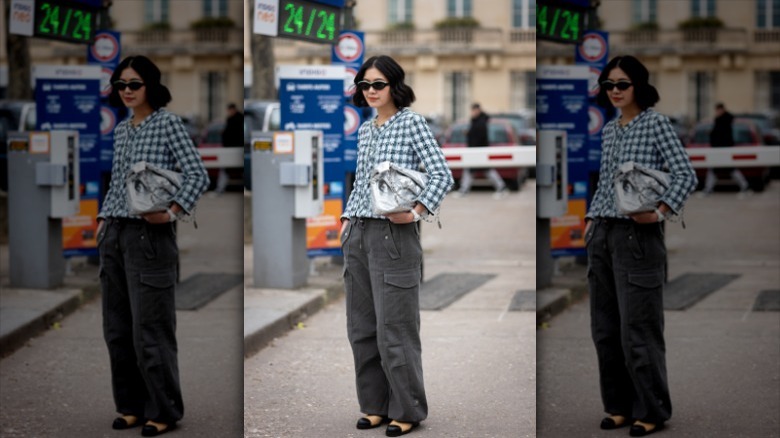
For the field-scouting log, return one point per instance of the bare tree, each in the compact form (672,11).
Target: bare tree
(263,62)
(18,50)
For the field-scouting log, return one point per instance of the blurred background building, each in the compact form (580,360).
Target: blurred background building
(198,45)
(699,52)
(454,52)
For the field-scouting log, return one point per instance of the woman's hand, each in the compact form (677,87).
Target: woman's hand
(162,217)
(101,224)
(404,217)
(646,217)
(588,224)
(158,217)
(344,224)
(649,217)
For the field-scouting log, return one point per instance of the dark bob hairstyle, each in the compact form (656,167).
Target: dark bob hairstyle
(157,94)
(645,94)
(401,93)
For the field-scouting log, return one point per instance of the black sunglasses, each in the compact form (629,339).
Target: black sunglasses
(133,85)
(621,85)
(365,85)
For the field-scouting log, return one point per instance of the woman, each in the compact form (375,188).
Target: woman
(383,256)
(138,255)
(626,254)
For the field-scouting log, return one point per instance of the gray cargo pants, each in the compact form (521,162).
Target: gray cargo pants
(382,274)
(625,277)
(137,278)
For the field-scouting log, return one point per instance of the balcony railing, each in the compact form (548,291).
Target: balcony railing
(766,36)
(681,42)
(522,36)
(189,40)
(460,39)
(428,41)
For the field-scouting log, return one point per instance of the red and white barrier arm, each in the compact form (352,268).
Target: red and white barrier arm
(737,156)
(490,157)
(222,158)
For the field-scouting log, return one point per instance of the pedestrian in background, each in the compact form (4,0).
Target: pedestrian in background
(139,256)
(232,136)
(722,135)
(477,136)
(627,254)
(383,255)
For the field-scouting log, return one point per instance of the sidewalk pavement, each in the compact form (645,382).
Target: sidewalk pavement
(270,313)
(26,313)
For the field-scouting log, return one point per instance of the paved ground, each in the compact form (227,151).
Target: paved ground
(478,358)
(723,358)
(58,385)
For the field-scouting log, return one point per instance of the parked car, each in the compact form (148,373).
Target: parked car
(191,126)
(745,133)
(259,115)
(500,133)
(15,115)
(769,131)
(525,126)
(680,128)
(211,137)
(437,127)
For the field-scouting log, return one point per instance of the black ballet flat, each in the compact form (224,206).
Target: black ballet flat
(150,430)
(639,430)
(365,423)
(608,423)
(393,430)
(120,423)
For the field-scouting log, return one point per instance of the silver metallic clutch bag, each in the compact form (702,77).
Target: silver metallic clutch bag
(150,188)
(394,189)
(638,189)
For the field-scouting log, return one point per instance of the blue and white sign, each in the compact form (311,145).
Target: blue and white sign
(312,97)
(105,51)
(562,104)
(594,53)
(68,97)
(350,51)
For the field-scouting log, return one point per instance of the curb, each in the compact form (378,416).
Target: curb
(254,342)
(16,339)
(556,301)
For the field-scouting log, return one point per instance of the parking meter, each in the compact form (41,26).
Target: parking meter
(287,170)
(551,174)
(43,188)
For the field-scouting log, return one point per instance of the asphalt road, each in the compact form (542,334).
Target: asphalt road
(723,359)
(478,358)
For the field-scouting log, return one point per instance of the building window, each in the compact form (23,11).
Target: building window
(457,95)
(213,86)
(459,8)
(767,14)
(523,90)
(215,8)
(767,91)
(643,11)
(156,11)
(702,8)
(399,11)
(701,86)
(524,13)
